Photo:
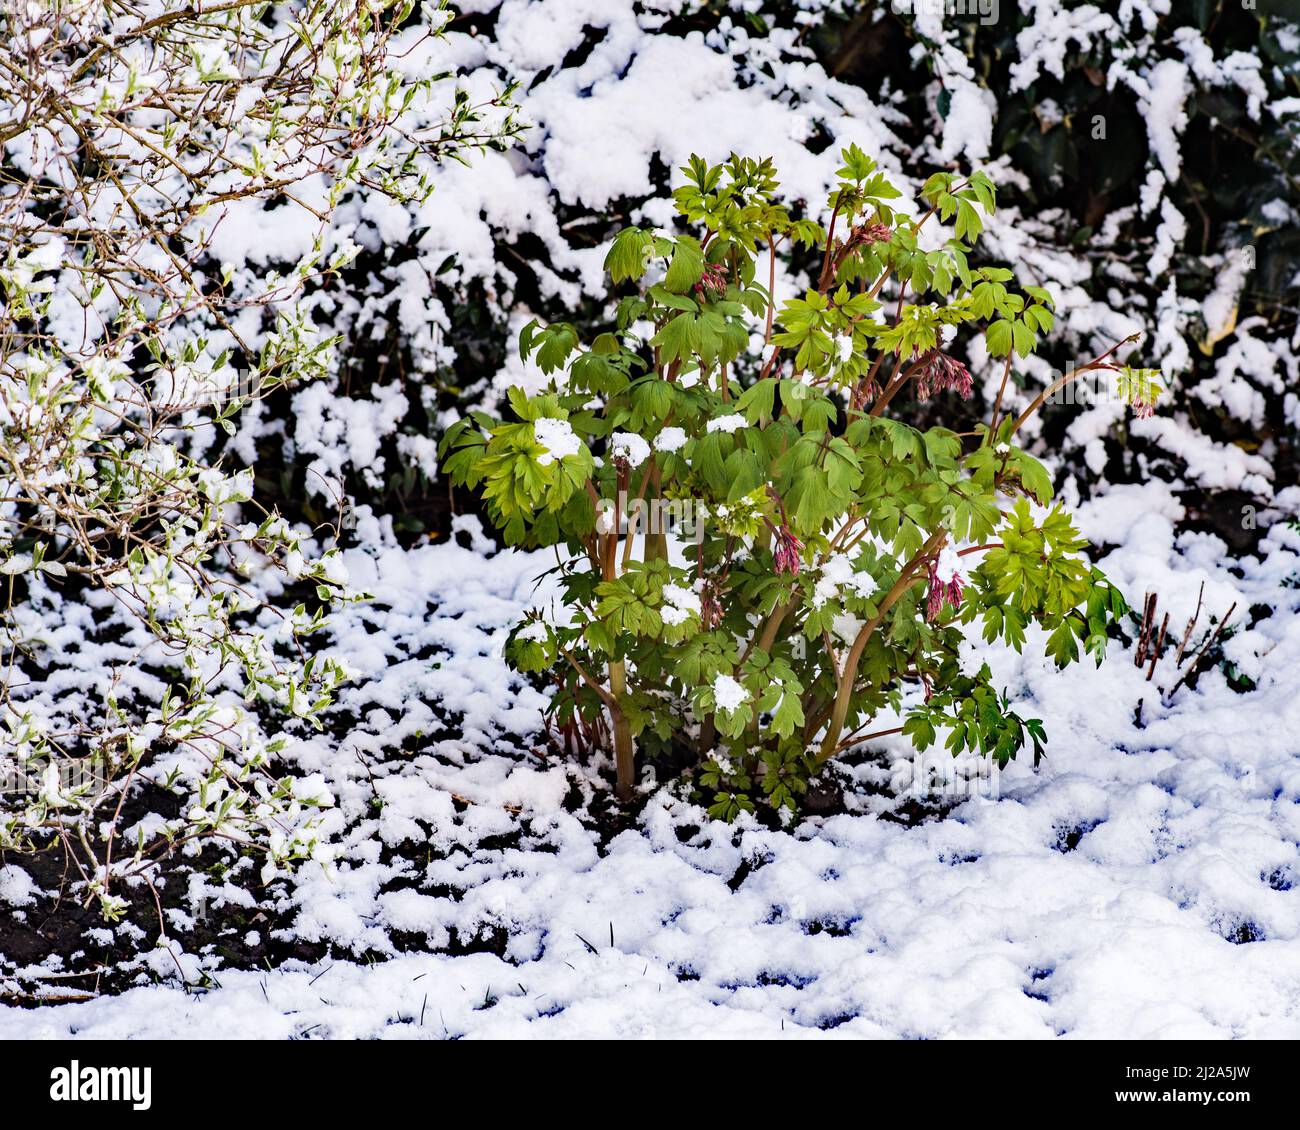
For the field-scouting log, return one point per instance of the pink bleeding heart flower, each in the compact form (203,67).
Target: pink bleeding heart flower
(946,583)
(867,234)
(941,373)
(710,607)
(713,282)
(864,393)
(787,552)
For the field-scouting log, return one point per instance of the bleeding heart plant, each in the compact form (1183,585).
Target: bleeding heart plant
(823,556)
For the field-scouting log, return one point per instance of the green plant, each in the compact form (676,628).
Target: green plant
(818,562)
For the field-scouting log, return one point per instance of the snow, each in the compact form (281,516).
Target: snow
(557,437)
(728,694)
(1162,106)
(968,126)
(1109,893)
(836,573)
(731,423)
(629,447)
(948,564)
(16,886)
(679,604)
(670,439)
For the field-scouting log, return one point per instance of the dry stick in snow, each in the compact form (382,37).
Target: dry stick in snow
(1144,633)
(1205,647)
(1191,626)
(1160,644)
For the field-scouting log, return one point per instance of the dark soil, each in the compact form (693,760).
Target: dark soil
(54,933)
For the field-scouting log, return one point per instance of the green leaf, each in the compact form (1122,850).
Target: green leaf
(920,730)
(676,339)
(757,401)
(686,266)
(969,225)
(1033,476)
(627,257)
(1025,339)
(526,339)
(998,338)
(557,342)
(1061,645)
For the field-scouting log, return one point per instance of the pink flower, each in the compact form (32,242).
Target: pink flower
(866,234)
(710,608)
(787,551)
(950,590)
(955,586)
(940,373)
(935,598)
(1142,410)
(713,283)
(864,393)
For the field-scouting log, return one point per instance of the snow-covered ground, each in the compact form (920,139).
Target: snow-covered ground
(1139,883)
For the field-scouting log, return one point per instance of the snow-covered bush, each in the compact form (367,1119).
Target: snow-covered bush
(824,556)
(135,137)
(1149,155)
(1124,218)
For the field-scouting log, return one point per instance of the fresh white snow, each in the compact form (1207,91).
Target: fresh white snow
(1110,892)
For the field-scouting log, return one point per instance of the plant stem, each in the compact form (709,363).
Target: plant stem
(997,404)
(624,751)
(708,735)
(849,676)
(856,739)
(1096,363)
(656,537)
